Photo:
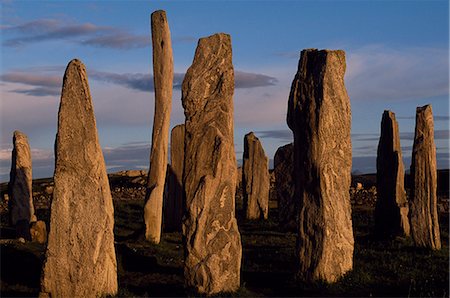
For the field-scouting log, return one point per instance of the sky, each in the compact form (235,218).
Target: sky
(397,55)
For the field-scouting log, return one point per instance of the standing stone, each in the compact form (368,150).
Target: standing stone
(21,209)
(80,257)
(423,208)
(212,241)
(320,117)
(163,81)
(255,178)
(173,207)
(391,210)
(283,163)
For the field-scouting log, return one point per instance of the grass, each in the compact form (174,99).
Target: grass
(389,268)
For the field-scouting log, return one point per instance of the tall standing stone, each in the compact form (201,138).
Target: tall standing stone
(423,205)
(283,168)
(21,208)
(320,117)
(391,211)
(255,178)
(212,240)
(80,257)
(173,207)
(163,81)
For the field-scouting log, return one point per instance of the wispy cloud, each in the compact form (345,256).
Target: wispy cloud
(251,80)
(85,34)
(283,135)
(380,73)
(44,82)
(435,117)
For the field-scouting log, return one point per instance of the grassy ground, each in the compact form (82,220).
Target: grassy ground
(393,268)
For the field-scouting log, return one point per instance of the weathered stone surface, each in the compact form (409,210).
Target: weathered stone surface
(212,239)
(255,178)
(423,202)
(283,168)
(391,211)
(80,257)
(21,209)
(38,232)
(163,81)
(320,117)
(173,207)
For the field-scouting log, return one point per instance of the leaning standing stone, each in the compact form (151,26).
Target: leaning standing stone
(320,117)
(255,178)
(391,210)
(21,209)
(163,81)
(80,257)
(173,207)
(212,239)
(423,209)
(283,168)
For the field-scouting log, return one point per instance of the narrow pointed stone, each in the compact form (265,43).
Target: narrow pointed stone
(391,211)
(80,257)
(212,241)
(320,117)
(163,81)
(283,168)
(21,208)
(255,178)
(173,207)
(423,204)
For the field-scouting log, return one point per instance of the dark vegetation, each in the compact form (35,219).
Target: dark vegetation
(389,268)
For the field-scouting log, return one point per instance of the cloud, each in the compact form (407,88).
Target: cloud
(439,134)
(44,82)
(251,80)
(283,135)
(435,117)
(118,40)
(378,72)
(85,34)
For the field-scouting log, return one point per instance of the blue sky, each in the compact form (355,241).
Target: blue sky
(397,59)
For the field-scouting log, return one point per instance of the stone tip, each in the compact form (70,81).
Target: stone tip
(424,108)
(219,36)
(76,64)
(251,135)
(159,11)
(19,135)
(159,15)
(388,113)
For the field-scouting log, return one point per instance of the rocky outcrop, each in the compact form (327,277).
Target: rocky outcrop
(38,231)
(21,209)
(283,168)
(163,81)
(423,202)
(255,178)
(391,211)
(320,117)
(212,240)
(173,207)
(80,257)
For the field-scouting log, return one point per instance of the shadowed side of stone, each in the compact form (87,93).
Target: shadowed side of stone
(173,207)
(212,241)
(163,81)
(391,211)
(283,163)
(423,203)
(319,116)
(255,178)
(80,257)
(21,209)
